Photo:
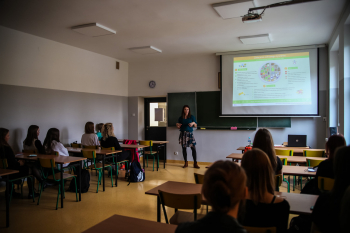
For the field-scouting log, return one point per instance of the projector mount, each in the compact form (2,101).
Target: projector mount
(252,16)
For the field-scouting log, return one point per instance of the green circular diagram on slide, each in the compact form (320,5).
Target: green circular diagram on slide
(270,72)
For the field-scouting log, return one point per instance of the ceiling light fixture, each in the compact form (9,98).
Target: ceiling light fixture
(256,39)
(145,50)
(93,30)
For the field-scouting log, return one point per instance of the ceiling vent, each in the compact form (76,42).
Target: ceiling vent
(93,30)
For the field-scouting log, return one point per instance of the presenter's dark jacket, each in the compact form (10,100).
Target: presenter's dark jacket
(212,222)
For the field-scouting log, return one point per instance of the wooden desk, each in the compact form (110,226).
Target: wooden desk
(295,149)
(59,160)
(290,159)
(154,142)
(103,153)
(5,173)
(130,225)
(299,203)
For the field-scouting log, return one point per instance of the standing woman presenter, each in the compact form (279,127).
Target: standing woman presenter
(186,123)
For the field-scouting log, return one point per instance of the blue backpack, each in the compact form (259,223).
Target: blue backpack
(137,174)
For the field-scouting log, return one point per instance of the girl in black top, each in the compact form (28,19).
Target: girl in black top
(326,212)
(263,141)
(110,140)
(32,142)
(7,153)
(224,187)
(262,207)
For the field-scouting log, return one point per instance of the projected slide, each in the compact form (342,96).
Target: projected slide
(279,79)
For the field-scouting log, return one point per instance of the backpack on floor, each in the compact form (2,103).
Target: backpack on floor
(137,174)
(85,182)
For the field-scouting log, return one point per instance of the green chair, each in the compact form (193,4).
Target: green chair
(313,153)
(3,163)
(313,162)
(56,177)
(325,183)
(89,147)
(150,152)
(126,162)
(69,168)
(97,166)
(284,152)
(181,201)
(284,162)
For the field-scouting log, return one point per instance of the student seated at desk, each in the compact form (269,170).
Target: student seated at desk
(110,140)
(89,138)
(263,141)
(52,143)
(98,130)
(325,168)
(224,187)
(32,142)
(7,153)
(262,207)
(326,213)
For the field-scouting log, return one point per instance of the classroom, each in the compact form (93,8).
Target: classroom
(53,76)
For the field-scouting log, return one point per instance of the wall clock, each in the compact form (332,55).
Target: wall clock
(152,84)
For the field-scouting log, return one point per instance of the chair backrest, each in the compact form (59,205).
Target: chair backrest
(90,147)
(313,162)
(284,161)
(48,163)
(284,152)
(55,153)
(146,143)
(89,154)
(108,148)
(3,163)
(199,178)
(278,182)
(325,183)
(260,229)
(180,201)
(76,145)
(313,153)
(30,151)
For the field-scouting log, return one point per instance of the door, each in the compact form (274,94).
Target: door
(156,122)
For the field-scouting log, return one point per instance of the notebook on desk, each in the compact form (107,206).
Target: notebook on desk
(297,141)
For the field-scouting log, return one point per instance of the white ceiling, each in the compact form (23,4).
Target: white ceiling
(177,27)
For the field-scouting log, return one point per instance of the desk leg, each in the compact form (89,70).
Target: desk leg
(7,199)
(164,157)
(103,172)
(158,209)
(79,174)
(116,171)
(143,158)
(62,185)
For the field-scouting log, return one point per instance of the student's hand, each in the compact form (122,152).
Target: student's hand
(178,125)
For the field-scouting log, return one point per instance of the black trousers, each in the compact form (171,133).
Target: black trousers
(194,153)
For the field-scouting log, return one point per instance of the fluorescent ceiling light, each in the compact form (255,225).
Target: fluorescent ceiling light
(257,39)
(145,50)
(93,30)
(233,9)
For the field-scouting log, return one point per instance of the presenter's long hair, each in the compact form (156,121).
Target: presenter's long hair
(263,141)
(183,112)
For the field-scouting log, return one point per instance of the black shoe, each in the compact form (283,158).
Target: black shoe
(30,195)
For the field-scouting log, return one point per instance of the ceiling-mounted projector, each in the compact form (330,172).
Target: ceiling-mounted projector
(251,18)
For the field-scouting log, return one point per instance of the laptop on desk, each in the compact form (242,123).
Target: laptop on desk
(297,141)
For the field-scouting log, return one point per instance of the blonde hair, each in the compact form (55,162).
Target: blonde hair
(260,174)
(107,131)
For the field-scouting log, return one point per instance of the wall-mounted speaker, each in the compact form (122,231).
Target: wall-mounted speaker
(117,65)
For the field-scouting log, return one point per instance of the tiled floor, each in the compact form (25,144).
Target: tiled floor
(26,216)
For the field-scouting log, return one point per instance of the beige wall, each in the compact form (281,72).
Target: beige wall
(32,61)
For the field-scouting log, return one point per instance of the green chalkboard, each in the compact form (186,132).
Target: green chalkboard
(175,103)
(208,111)
(275,122)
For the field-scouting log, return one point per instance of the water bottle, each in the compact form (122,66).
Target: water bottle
(249,147)
(249,142)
